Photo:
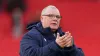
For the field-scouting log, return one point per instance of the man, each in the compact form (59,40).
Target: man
(47,39)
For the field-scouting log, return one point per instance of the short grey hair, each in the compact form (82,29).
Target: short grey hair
(44,11)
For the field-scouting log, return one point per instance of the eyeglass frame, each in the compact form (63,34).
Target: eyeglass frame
(53,16)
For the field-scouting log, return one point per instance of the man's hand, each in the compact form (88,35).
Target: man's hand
(69,41)
(65,40)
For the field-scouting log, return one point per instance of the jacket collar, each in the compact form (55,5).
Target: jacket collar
(47,30)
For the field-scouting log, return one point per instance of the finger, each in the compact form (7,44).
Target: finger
(68,46)
(64,37)
(69,43)
(61,38)
(67,32)
(69,35)
(63,43)
(68,39)
(65,40)
(58,35)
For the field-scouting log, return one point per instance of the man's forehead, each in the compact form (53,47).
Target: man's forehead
(52,11)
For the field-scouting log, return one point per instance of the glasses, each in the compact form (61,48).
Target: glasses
(53,16)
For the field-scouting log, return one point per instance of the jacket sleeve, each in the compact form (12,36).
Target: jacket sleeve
(73,51)
(29,46)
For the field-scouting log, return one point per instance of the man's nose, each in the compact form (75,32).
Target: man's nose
(55,19)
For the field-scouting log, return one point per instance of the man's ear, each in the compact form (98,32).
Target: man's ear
(41,18)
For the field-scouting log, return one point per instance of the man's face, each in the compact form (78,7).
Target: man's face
(51,19)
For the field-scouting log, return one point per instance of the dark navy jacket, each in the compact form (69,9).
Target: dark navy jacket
(41,42)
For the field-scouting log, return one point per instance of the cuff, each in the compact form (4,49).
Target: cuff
(54,46)
(69,49)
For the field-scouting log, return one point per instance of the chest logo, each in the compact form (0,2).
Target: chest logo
(45,39)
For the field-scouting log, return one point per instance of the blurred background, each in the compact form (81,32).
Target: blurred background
(80,17)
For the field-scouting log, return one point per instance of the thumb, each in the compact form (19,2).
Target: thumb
(58,35)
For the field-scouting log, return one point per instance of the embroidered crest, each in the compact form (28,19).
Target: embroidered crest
(45,39)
